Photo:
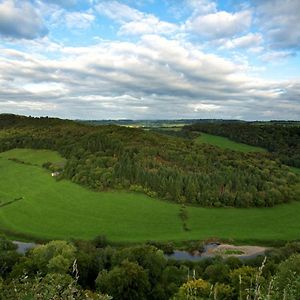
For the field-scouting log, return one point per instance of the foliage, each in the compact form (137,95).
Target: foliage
(8,256)
(141,272)
(51,287)
(127,281)
(54,257)
(194,290)
(287,279)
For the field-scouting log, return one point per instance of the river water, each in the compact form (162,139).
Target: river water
(24,247)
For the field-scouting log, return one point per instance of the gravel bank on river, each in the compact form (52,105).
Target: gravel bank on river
(237,251)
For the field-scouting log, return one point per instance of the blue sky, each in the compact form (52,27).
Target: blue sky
(148,59)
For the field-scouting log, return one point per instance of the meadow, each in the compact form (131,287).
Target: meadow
(51,209)
(226,143)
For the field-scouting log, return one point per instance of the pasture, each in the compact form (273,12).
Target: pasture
(295,170)
(226,143)
(50,209)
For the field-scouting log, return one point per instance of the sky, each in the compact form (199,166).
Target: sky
(148,59)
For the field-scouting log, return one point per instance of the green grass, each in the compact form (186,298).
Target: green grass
(35,157)
(295,170)
(226,143)
(169,128)
(53,209)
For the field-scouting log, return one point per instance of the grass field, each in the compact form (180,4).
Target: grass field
(226,143)
(35,157)
(51,209)
(295,170)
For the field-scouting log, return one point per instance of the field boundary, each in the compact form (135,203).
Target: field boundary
(11,202)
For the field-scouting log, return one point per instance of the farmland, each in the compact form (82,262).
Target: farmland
(52,209)
(226,143)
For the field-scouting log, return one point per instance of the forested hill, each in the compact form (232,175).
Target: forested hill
(105,157)
(280,138)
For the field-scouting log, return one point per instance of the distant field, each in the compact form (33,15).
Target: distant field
(175,128)
(50,209)
(35,157)
(226,143)
(295,170)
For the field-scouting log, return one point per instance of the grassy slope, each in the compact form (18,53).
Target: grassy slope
(226,143)
(52,209)
(295,170)
(35,157)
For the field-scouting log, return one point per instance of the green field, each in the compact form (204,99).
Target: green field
(50,209)
(35,157)
(295,170)
(226,143)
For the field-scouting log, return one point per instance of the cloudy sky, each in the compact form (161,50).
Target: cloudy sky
(150,59)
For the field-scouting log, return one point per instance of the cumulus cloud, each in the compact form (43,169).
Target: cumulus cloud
(19,19)
(134,22)
(118,11)
(73,20)
(147,25)
(276,56)
(250,40)
(280,20)
(154,78)
(205,107)
(202,7)
(221,24)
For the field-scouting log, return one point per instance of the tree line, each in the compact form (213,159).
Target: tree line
(172,168)
(93,270)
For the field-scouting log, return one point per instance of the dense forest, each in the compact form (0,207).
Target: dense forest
(94,270)
(172,168)
(282,139)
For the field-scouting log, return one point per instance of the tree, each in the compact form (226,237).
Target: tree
(8,256)
(218,272)
(287,279)
(128,281)
(56,257)
(52,286)
(195,289)
(243,281)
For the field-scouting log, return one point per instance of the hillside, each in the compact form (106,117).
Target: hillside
(282,139)
(110,157)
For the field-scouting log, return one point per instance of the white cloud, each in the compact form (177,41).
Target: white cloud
(19,19)
(276,56)
(205,107)
(26,106)
(78,20)
(52,88)
(280,20)
(220,24)
(134,22)
(148,25)
(251,40)
(118,11)
(202,7)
